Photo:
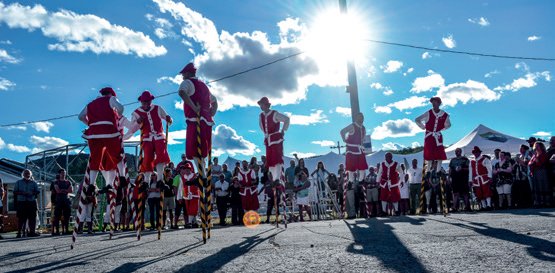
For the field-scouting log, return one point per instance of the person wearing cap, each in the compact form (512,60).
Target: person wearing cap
(434,121)
(197,97)
(103,135)
(390,178)
(249,191)
(270,123)
(480,174)
(188,195)
(355,158)
(155,151)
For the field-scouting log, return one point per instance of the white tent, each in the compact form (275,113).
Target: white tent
(487,140)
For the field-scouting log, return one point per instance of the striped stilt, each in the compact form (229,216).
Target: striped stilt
(344,194)
(366,202)
(202,181)
(422,190)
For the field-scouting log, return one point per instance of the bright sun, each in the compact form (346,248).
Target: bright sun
(333,38)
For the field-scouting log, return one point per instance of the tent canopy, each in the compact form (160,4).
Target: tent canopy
(487,140)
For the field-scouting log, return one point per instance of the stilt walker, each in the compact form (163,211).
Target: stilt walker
(199,106)
(138,223)
(103,136)
(434,121)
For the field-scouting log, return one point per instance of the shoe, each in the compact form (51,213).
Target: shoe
(18,236)
(382,214)
(1,238)
(194,225)
(33,235)
(69,233)
(56,234)
(174,227)
(397,213)
(267,222)
(468,210)
(453,210)
(90,232)
(188,226)
(223,224)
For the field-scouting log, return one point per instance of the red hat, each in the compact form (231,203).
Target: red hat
(187,165)
(190,67)
(109,89)
(476,149)
(436,98)
(146,96)
(264,100)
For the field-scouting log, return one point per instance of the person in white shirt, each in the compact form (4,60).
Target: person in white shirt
(415,186)
(222,197)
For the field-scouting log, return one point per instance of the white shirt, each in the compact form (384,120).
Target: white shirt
(415,175)
(114,103)
(189,88)
(422,119)
(224,187)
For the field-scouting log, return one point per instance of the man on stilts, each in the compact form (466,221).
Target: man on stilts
(355,158)
(390,181)
(270,123)
(434,121)
(155,151)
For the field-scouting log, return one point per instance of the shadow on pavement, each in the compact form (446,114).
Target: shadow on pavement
(375,237)
(535,247)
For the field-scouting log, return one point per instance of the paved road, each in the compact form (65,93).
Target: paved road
(505,241)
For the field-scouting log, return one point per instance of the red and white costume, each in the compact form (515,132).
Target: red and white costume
(190,194)
(154,140)
(270,123)
(355,158)
(390,181)
(480,175)
(249,193)
(103,135)
(434,123)
(199,94)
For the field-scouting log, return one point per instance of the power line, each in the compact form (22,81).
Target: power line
(299,53)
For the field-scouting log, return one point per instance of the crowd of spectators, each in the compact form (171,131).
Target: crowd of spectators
(509,182)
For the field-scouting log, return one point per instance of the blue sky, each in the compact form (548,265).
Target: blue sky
(56,55)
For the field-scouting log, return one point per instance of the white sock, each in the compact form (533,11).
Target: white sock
(488,200)
(384,205)
(121,168)
(93,175)
(147,177)
(396,206)
(483,203)
(110,176)
(361,175)
(160,169)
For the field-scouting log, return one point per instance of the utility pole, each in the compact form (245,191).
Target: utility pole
(338,147)
(352,88)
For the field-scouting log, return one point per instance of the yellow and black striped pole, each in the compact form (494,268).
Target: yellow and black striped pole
(422,189)
(201,181)
(139,208)
(443,198)
(209,192)
(160,214)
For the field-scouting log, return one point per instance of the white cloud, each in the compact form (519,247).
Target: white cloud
(464,92)
(79,33)
(42,126)
(46,143)
(410,103)
(480,21)
(5,57)
(539,133)
(226,140)
(449,41)
(18,127)
(410,70)
(18,149)
(313,118)
(324,143)
(5,84)
(178,105)
(176,135)
(344,111)
(177,79)
(43,87)
(488,75)
(7,42)
(529,80)
(392,66)
(415,144)
(225,53)
(392,146)
(382,109)
(423,84)
(2,144)
(386,89)
(396,128)
(163,27)
(534,38)
(303,155)
(426,55)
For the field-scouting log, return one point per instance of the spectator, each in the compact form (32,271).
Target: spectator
(404,190)
(121,204)
(180,164)
(302,195)
(171,166)
(90,203)
(1,207)
(458,173)
(188,193)
(300,167)
(504,171)
(372,193)
(169,198)
(495,177)
(216,171)
(222,198)
(253,165)
(237,211)
(226,173)
(480,177)
(522,194)
(26,189)
(249,193)
(63,205)
(341,172)
(540,185)
(321,173)
(415,186)
(237,168)
(180,206)
(551,168)
(290,175)
(55,228)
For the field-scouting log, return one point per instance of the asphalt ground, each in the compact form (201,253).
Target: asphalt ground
(496,241)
